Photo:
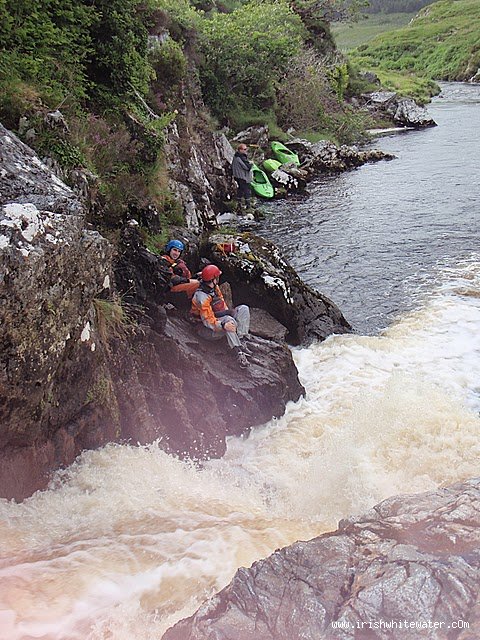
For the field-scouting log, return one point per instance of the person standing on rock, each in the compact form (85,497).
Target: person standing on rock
(181,279)
(209,306)
(242,172)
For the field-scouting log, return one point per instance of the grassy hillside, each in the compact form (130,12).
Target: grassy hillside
(442,43)
(396,6)
(351,35)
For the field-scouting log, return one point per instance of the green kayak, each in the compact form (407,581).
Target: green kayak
(283,154)
(261,184)
(270,165)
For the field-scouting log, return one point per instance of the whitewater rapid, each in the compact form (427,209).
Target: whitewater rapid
(129,539)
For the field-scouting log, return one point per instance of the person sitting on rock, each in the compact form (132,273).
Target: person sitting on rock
(181,279)
(209,306)
(242,172)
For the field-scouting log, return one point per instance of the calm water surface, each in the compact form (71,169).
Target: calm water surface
(371,238)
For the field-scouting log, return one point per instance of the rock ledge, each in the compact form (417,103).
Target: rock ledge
(407,569)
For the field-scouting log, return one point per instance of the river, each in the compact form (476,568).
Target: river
(374,238)
(128,540)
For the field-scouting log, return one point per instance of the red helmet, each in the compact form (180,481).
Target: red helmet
(210,272)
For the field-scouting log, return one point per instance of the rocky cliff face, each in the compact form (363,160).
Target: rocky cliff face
(199,161)
(78,368)
(51,269)
(407,569)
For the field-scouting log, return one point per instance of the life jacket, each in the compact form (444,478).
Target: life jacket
(209,310)
(178,267)
(217,302)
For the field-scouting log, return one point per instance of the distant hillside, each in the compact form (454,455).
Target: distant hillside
(396,6)
(442,43)
(350,35)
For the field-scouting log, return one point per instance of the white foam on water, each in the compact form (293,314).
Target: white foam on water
(129,539)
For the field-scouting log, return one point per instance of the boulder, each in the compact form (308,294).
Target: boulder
(192,392)
(262,278)
(407,569)
(324,156)
(380,98)
(290,177)
(404,112)
(409,114)
(287,180)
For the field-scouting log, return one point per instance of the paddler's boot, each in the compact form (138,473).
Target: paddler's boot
(240,357)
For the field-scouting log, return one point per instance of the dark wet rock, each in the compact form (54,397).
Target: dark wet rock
(192,394)
(326,157)
(403,112)
(138,272)
(265,326)
(262,278)
(413,559)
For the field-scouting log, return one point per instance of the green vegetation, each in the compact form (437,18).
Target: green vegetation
(244,53)
(113,320)
(118,71)
(442,43)
(352,34)
(274,63)
(396,6)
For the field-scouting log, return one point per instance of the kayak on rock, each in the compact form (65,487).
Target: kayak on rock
(270,165)
(283,154)
(260,184)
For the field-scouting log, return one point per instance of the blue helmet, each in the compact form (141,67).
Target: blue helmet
(174,244)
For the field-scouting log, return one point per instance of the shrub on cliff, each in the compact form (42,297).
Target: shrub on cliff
(119,62)
(244,52)
(71,51)
(44,47)
(170,65)
(304,93)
